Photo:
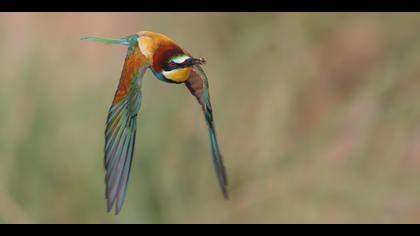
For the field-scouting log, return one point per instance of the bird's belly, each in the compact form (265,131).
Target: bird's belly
(178,76)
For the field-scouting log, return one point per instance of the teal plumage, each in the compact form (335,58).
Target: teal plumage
(123,41)
(120,137)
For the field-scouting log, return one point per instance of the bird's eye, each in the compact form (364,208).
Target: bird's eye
(172,65)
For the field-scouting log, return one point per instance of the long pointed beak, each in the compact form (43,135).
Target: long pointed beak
(195,61)
(105,40)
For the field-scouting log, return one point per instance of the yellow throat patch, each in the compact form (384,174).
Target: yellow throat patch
(178,75)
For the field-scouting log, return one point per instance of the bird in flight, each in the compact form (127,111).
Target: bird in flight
(169,63)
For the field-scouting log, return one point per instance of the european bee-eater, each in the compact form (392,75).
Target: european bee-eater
(169,63)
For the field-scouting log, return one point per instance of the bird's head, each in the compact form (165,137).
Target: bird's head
(178,67)
(168,61)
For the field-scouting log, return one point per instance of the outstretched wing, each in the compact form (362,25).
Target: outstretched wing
(198,86)
(120,133)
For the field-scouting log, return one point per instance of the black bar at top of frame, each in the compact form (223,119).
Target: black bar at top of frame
(210,5)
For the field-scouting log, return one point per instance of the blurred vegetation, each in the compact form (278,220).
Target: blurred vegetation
(318,116)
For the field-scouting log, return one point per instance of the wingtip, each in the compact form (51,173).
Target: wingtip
(117,211)
(223,179)
(110,207)
(88,39)
(122,41)
(224,186)
(226,194)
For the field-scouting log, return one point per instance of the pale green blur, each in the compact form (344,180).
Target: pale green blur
(318,118)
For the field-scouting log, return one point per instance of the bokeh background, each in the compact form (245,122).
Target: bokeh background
(318,116)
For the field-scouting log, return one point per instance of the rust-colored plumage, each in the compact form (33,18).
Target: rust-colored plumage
(163,54)
(131,66)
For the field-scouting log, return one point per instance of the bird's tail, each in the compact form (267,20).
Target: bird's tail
(123,41)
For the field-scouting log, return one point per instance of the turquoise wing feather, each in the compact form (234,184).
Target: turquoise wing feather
(120,132)
(120,138)
(199,87)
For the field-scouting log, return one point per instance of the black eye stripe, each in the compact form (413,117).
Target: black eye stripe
(173,65)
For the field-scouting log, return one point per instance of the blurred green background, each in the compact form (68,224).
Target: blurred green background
(318,117)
